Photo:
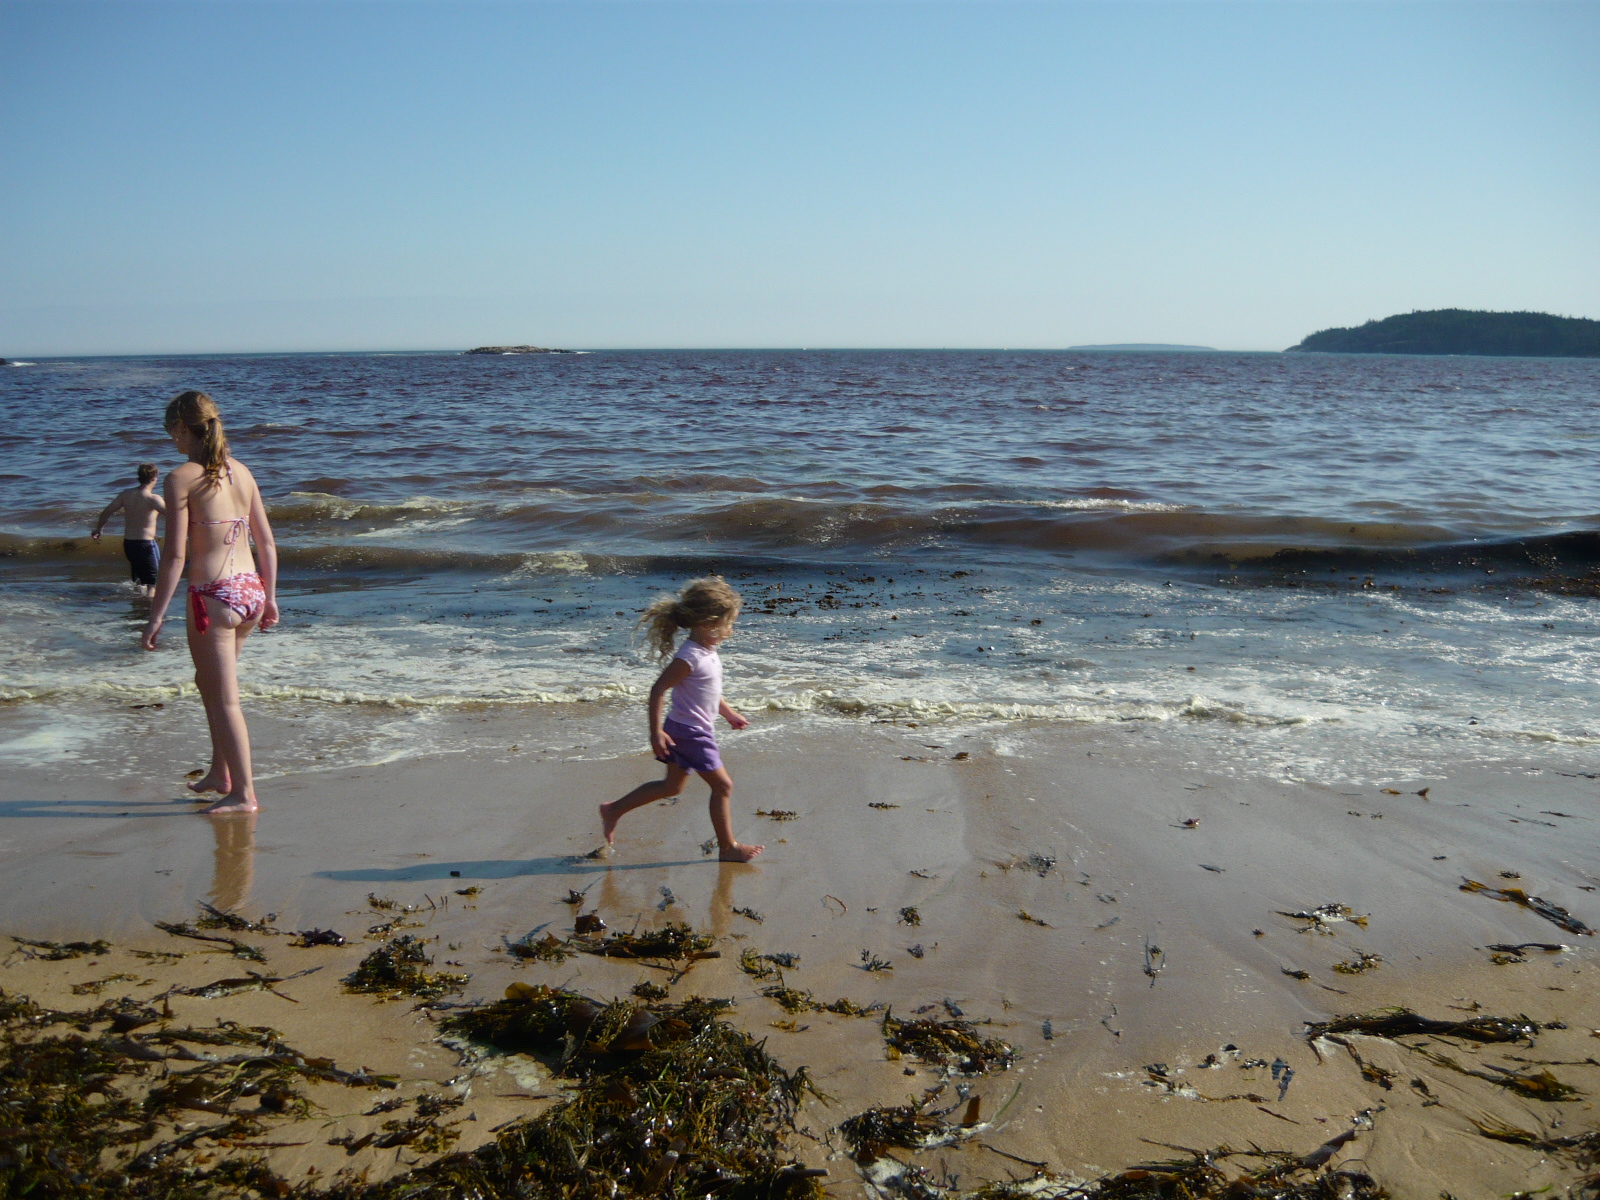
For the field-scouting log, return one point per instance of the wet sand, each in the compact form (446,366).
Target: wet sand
(87,858)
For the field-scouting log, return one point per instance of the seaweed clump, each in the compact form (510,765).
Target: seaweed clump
(1402,1022)
(798,1000)
(1582,1148)
(59,951)
(870,1134)
(1363,962)
(82,1113)
(672,1101)
(955,1044)
(671,942)
(1285,1176)
(1553,913)
(396,969)
(549,948)
(1324,915)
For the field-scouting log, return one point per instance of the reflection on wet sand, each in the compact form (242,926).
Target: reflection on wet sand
(234,867)
(721,908)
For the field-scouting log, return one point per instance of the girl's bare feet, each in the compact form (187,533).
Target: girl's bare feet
(739,852)
(214,781)
(609,816)
(231,804)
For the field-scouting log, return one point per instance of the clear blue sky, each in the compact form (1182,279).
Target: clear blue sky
(236,175)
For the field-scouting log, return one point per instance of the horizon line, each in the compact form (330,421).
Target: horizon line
(1099,347)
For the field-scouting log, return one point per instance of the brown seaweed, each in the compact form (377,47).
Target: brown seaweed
(1324,915)
(798,1000)
(1402,1022)
(754,964)
(1534,1085)
(396,969)
(549,948)
(726,1102)
(317,937)
(870,1134)
(1360,964)
(672,942)
(1553,913)
(239,949)
(1583,1148)
(216,918)
(93,987)
(954,1044)
(421,1132)
(1285,1176)
(75,1110)
(765,966)
(59,951)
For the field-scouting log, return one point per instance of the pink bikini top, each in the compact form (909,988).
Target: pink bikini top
(230,539)
(236,527)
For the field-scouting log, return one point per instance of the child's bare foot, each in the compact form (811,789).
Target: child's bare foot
(608,821)
(230,804)
(739,852)
(213,781)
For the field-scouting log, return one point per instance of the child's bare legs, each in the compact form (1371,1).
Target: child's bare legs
(613,811)
(216,674)
(721,784)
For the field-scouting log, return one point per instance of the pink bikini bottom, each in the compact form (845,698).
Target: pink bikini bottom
(244,593)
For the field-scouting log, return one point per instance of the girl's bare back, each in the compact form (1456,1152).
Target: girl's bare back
(214,510)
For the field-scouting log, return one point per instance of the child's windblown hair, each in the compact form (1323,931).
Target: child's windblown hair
(197,412)
(702,602)
(147,472)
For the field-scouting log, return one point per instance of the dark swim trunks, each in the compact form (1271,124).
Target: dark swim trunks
(692,749)
(144,556)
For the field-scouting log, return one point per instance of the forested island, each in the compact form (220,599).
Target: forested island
(514,350)
(1464,331)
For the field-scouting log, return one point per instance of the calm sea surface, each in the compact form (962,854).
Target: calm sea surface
(1317,566)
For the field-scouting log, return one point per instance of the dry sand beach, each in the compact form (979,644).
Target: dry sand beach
(1112,911)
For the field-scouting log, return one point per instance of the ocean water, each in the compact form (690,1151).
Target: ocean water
(1323,567)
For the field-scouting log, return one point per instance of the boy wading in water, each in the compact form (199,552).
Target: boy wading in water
(686,740)
(140,507)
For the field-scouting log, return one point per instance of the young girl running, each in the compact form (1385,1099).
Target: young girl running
(686,741)
(214,510)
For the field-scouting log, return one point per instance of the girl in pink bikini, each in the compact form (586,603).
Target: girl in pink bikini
(214,510)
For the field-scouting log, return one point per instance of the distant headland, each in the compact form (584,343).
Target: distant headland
(1464,331)
(514,350)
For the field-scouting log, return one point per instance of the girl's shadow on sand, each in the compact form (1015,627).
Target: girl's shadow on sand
(500,868)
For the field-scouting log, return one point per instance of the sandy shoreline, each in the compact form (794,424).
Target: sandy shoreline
(1108,806)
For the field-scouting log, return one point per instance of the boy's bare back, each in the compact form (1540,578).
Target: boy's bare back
(140,508)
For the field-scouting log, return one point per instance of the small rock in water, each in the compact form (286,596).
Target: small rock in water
(1049,1032)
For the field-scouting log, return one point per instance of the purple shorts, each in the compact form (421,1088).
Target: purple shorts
(692,749)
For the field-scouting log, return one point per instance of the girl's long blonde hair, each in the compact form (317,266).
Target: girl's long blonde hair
(198,413)
(704,601)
